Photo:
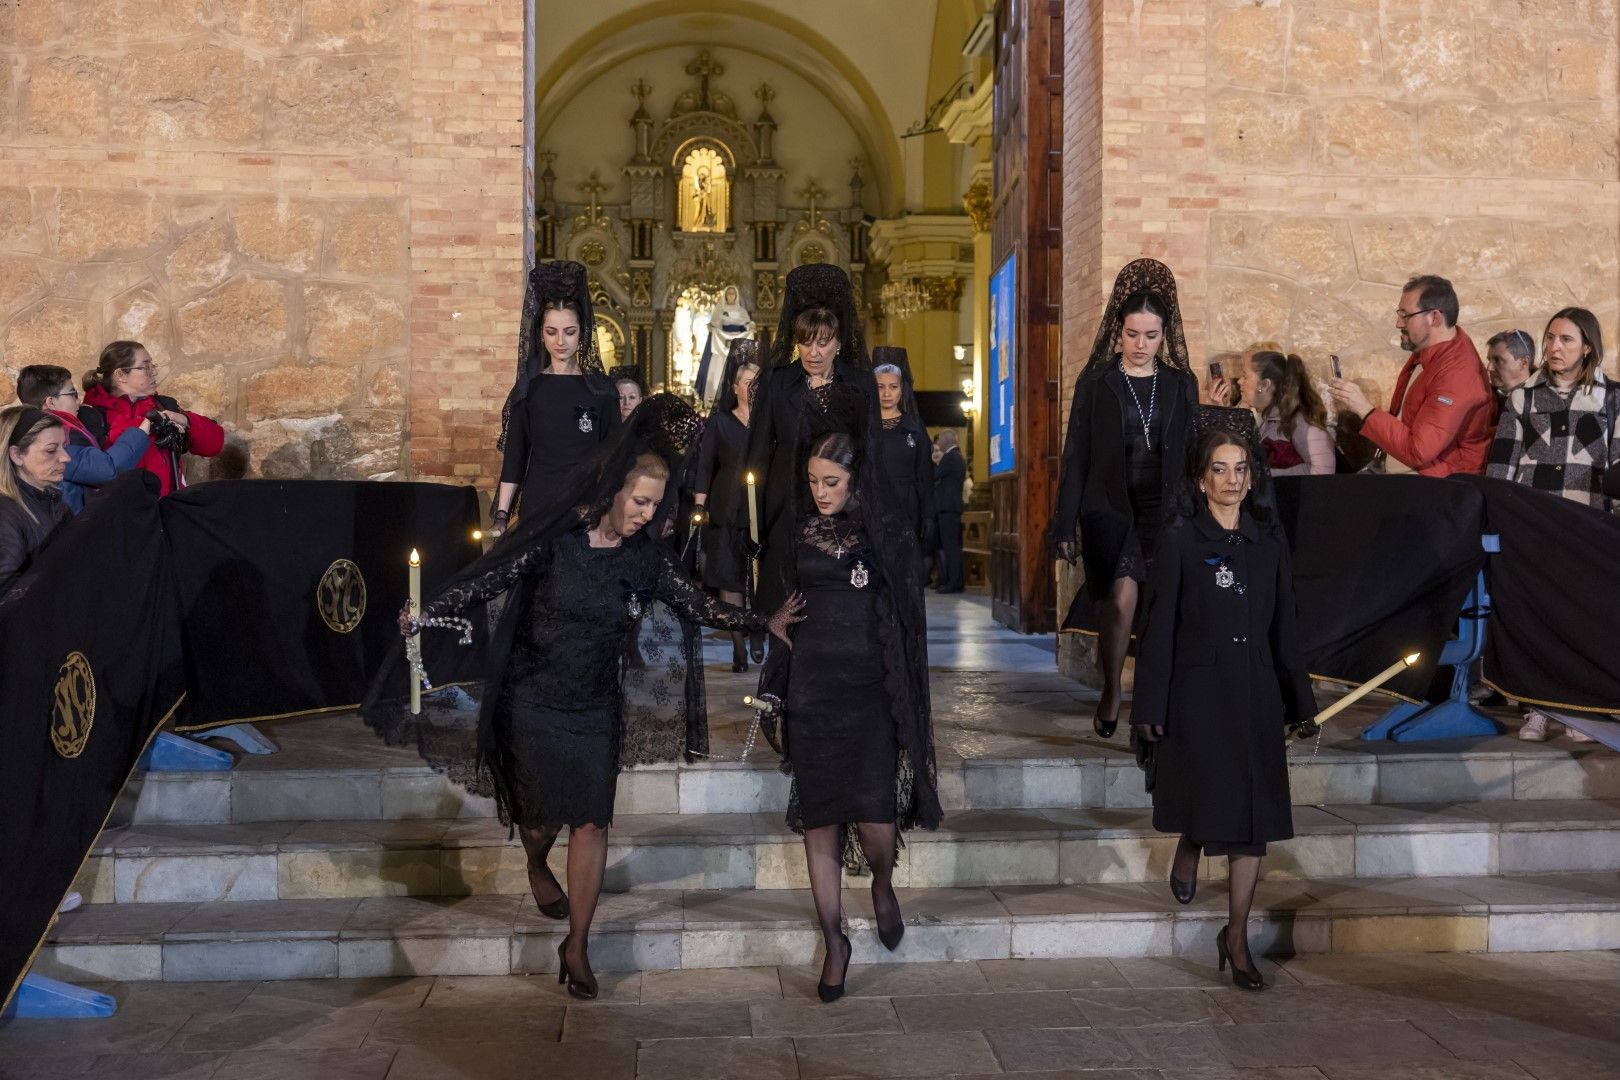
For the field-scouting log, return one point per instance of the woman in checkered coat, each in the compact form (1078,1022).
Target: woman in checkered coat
(1560,432)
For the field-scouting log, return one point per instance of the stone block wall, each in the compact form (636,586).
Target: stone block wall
(1296,161)
(310,211)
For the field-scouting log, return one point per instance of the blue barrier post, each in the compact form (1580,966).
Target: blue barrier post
(173,753)
(1454,718)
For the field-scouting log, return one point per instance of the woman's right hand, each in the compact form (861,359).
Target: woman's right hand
(498,523)
(1068,551)
(1150,732)
(785,617)
(407,625)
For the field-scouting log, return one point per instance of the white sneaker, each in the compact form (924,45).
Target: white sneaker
(71,902)
(1535,726)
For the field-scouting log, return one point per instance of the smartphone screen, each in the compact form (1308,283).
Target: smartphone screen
(1338,373)
(1216,371)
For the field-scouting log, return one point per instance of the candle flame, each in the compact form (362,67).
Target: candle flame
(750,478)
(415,559)
(1410,660)
(478,534)
(748,699)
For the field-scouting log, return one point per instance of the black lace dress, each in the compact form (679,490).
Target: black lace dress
(844,752)
(558,730)
(1144,476)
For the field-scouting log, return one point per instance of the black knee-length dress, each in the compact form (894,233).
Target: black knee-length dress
(843,749)
(558,726)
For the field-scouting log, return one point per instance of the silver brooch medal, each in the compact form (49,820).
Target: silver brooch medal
(858,575)
(1223,576)
(586,424)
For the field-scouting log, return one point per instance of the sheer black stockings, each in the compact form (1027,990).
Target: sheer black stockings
(1115,617)
(1243,872)
(822,853)
(587,861)
(537,845)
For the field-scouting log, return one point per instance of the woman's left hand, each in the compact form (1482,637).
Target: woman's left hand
(180,419)
(1150,732)
(785,617)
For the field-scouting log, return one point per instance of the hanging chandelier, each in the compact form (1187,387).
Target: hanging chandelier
(903,298)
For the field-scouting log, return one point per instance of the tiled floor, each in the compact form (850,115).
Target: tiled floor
(1401,1017)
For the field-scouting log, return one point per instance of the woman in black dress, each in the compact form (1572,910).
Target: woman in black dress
(818,344)
(908,464)
(576,574)
(852,691)
(720,487)
(1130,424)
(561,408)
(1219,680)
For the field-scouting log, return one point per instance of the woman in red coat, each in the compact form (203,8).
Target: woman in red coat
(122,391)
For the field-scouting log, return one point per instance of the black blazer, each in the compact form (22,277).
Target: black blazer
(25,526)
(1218,664)
(948,477)
(1091,487)
(773,449)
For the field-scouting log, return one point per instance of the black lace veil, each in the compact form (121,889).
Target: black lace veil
(549,281)
(894,354)
(1143,275)
(743,352)
(454,731)
(827,286)
(902,622)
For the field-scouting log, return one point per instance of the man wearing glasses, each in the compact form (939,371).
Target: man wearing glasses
(1442,415)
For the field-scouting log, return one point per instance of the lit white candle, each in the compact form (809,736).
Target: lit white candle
(1366,688)
(415,563)
(753,510)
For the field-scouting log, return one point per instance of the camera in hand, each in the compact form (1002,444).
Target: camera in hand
(167,434)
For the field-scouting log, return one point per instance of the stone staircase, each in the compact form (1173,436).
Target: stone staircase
(342,857)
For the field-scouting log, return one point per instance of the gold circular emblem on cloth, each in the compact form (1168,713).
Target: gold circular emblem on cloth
(341,596)
(73,708)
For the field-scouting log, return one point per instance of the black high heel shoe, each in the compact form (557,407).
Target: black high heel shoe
(1242,978)
(1184,891)
(890,936)
(739,655)
(756,647)
(585,989)
(1105,728)
(558,908)
(830,994)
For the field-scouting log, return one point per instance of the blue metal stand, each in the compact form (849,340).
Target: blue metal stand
(1453,718)
(51,999)
(247,737)
(172,753)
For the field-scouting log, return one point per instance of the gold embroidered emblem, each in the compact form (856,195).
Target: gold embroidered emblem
(73,708)
(341,596)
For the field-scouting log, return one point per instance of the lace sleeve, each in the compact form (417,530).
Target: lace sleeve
(694,605)
(458,597)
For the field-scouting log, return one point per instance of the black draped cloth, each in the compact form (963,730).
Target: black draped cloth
(504,597)
(1555,589)
(89,670)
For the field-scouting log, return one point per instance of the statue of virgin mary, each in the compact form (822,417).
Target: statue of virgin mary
(728,323)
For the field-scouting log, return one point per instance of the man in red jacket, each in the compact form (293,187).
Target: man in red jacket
(1442,416)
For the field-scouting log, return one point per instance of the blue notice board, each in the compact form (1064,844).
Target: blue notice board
(1003,365)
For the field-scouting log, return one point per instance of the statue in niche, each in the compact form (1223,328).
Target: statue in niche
(705,193)
(729,322)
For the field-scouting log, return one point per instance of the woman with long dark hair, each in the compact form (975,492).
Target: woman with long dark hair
(720,487)
(575,576)
(1219,680)
(851,695)
(1293,421)
(561,408)
(1130,423)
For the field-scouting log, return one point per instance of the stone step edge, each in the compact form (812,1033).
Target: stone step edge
(677,830)
(292,953)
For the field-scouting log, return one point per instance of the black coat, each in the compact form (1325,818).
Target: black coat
(22,535)
(949,474)
(1220,668)
(908,466)
(773,449)
(1092,492)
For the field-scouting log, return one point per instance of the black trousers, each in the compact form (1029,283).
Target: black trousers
(950,546)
